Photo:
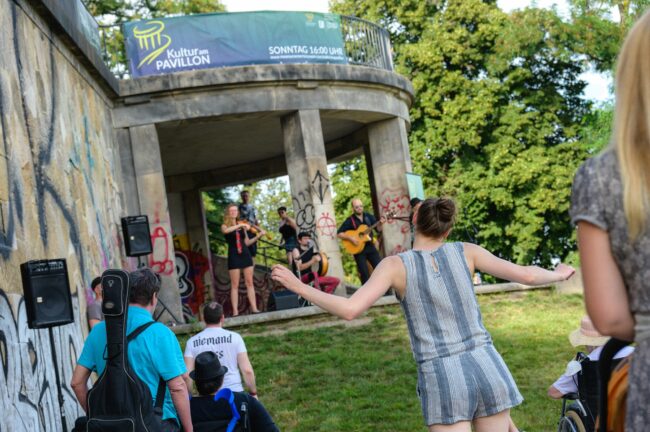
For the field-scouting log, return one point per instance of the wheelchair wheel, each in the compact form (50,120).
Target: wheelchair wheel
(571,422)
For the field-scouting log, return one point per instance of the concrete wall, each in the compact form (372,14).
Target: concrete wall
(59,198)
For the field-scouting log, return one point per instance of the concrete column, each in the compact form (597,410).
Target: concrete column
(388,161)
(197,233)
(304,151)
(152,196)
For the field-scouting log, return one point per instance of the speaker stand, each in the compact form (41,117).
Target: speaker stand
(58,380)
(143,263)
(164,308)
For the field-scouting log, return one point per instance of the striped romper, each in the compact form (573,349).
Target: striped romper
(460,374)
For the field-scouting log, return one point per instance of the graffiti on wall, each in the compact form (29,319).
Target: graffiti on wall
(320,184)
(305,212)
(396,201)
(28,391)
(160,260)
(36,115)
(262,282)
(57,193)
(192,267)
(326,226)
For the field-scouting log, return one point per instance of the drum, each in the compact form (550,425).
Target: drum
(323,264)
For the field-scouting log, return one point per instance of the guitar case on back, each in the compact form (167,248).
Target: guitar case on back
(120,400)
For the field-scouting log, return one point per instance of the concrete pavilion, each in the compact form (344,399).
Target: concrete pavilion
(186,132)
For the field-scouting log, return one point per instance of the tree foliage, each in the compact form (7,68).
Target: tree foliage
(597,34)
(495,122)
(267,196)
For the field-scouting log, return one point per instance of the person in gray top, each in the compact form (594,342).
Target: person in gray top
(94,309)
(462,380)
(610,204)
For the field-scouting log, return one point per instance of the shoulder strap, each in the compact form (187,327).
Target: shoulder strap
(354,224)
(160,393)
(228,395)
(135,333)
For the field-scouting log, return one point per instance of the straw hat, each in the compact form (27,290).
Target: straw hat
(587,334)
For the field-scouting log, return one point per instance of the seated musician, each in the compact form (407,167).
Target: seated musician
(305,257)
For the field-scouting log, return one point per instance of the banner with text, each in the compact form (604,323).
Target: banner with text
(166,45)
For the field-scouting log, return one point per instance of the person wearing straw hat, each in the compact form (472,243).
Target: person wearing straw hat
(586,335)
(216,405)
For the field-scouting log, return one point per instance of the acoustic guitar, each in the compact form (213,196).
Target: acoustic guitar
(363,234)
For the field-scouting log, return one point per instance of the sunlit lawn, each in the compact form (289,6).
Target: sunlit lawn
(363,378)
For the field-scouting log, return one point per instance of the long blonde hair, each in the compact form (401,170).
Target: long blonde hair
(632,125)
(227,219)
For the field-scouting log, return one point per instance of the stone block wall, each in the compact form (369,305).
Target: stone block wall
(59,198)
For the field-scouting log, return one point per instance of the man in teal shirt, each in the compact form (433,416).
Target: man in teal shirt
(154,354)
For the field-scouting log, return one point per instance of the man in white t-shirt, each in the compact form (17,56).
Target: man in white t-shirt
(587,336)
(229,347)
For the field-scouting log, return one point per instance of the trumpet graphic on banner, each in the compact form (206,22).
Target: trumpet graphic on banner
(152,38)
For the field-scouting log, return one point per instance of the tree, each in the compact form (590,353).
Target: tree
(496,118)
(595,32)
(111,14)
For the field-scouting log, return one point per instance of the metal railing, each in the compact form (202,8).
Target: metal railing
(365,44)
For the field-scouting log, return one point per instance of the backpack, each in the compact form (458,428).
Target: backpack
(613,387)
(239,422)
(120,400)
(617,396)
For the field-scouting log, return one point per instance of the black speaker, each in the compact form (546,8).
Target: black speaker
(281,300)
(137,240)
(47,293)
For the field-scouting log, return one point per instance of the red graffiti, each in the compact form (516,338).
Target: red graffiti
(394,201)
(160,260)
(326,226)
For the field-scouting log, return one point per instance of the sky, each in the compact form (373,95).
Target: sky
(598,85)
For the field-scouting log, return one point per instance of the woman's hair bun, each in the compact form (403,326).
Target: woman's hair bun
(446,210)
(436,216)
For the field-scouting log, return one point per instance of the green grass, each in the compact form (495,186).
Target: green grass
(363,378)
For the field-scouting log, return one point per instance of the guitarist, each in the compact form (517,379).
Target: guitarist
(369,252)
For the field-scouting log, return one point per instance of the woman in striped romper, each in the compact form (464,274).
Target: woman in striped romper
(462,380)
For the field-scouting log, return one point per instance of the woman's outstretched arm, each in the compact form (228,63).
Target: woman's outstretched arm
(389,272)
(481,259)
